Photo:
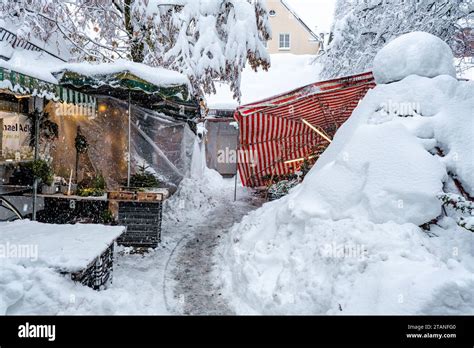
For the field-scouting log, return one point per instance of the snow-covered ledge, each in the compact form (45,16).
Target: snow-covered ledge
(64,248)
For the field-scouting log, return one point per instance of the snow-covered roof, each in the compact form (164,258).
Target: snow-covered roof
(298,18)
(357,212)
(318,15)
(31,63)
(43,66)
(157,76)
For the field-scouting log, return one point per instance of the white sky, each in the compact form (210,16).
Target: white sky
(315,13)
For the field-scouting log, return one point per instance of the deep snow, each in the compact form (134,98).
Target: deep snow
(347,240)
(68,248)
(175,278)
(415,53)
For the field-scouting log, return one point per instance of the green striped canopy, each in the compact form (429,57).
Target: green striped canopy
(174,100)
(22,84)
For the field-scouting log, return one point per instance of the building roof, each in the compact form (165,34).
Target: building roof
(298,18)
(55,46)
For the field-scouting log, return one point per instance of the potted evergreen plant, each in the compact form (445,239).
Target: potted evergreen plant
(44,173)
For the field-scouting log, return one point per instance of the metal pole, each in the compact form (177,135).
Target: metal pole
(235,185)
(129,137)
(237,166)
(35,182)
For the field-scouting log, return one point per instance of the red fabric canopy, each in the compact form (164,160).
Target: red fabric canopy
(272,131)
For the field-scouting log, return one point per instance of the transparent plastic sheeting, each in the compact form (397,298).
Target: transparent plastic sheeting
(162,143)
(158,141)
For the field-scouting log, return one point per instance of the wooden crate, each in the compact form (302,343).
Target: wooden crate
(149,196)
(121,195)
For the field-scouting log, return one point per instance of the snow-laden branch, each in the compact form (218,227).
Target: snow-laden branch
(361,28)
(206,40)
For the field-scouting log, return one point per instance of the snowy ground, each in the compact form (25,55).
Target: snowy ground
(195,290)
(173,279)
(348,239)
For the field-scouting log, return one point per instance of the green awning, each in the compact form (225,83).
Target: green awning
(173,100)
(21,84)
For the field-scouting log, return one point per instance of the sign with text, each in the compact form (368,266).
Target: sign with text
(16,130)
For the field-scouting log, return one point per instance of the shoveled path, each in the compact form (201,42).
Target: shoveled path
(194,291)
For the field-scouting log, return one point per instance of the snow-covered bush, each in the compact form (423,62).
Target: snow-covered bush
(347,240)
(281,188)
(460,208)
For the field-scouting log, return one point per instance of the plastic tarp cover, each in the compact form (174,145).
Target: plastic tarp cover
(163,144)
(160,142)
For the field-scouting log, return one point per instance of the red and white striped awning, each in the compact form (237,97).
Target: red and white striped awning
(272,131)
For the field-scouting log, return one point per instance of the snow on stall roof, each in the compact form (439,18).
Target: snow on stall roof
(157,76)
(43,66)
(67,248)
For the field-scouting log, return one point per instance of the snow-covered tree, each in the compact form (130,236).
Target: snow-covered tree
(362,27)
(206,40)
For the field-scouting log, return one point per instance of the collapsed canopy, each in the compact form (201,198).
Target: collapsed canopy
(272,132)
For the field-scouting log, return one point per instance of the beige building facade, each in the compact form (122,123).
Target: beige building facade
(289,33)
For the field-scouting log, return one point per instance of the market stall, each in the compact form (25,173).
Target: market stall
(278,134)
(143,116)
(25,90)
(100,142)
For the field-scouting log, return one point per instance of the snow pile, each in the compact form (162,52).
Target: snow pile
(383,174)
(70,248)
(55,44)
(198,193)
(347,239)
(279,265)
(417,53)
